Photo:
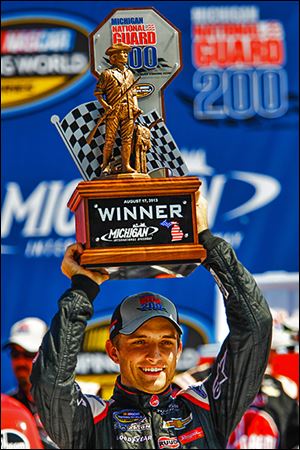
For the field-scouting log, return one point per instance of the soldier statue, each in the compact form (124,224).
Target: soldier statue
(114,92)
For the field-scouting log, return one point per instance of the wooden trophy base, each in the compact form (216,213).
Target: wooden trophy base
(138,227)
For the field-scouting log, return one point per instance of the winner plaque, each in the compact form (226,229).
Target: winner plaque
(135,212)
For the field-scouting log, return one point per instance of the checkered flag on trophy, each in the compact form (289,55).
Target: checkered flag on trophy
(76,126)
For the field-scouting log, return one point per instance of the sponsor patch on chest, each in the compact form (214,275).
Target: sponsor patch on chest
(130,420)
(168,442)
(192,435)
(134,439)
(178,423)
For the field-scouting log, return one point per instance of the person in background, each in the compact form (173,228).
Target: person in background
(272,421)
(24,341)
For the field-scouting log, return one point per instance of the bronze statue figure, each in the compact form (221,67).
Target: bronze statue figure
(116,92)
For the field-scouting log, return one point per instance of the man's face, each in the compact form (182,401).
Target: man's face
(120,57)
(148,357)
(21,363)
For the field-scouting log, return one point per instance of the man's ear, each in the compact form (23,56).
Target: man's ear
(179,351)
(112,351)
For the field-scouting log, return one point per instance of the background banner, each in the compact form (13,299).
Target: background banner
(232,111)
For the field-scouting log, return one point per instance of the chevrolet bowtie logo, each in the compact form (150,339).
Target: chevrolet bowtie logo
(177,423)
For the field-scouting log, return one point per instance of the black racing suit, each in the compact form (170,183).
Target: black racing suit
(201,416)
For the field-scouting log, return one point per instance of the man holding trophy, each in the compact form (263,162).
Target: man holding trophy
(145,411)
(145,340)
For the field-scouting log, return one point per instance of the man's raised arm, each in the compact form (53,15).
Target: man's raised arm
(60,402)
(241,363)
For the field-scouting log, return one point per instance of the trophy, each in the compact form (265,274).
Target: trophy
(135,211)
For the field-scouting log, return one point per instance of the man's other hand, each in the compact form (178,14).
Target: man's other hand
(201,212)
(70,265)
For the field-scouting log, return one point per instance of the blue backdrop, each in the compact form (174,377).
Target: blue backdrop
(232,110)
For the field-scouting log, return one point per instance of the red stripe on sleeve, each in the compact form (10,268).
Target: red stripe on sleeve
(196,401)
(102,415)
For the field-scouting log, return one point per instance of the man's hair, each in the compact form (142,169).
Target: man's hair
(116,341)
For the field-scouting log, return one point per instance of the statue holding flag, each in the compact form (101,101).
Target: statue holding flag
(115,90)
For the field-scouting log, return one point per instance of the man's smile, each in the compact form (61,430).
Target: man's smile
(152,370)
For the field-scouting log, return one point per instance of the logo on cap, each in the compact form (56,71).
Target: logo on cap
(151,303)
(23,328)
